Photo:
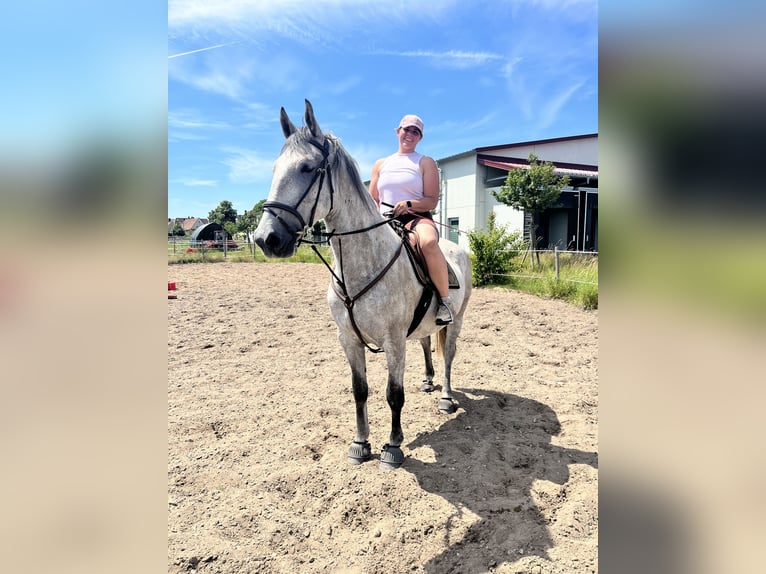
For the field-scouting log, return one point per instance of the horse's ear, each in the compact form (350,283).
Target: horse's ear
(311,121)
(288,128)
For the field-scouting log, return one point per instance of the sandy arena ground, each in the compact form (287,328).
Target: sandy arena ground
(260,416)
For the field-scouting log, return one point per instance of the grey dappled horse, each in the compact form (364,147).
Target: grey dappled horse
(373,291)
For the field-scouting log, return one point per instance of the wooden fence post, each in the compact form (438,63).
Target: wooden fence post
(556,260)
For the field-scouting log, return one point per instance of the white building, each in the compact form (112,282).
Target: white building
(468,179)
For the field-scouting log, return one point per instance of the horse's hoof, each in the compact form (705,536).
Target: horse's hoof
(359,452)
(391,457)
(427,386)
(447,406)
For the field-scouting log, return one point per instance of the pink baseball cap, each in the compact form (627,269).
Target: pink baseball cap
(412,120)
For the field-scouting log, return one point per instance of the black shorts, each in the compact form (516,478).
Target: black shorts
(408,217)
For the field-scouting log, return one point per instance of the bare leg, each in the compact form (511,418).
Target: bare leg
(428,238)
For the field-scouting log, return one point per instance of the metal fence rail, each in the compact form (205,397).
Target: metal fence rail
(179,248)
(557,265)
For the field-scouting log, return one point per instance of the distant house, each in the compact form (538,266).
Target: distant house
(192,223)
(188,224)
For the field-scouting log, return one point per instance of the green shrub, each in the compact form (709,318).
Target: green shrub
(493,251)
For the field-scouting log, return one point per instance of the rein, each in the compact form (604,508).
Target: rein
(339,285)
(342,292)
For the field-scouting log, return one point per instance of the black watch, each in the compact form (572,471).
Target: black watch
(409,203)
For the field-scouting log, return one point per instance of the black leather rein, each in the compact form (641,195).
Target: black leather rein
(273,207)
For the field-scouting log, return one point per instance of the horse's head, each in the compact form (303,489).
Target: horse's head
(301,189)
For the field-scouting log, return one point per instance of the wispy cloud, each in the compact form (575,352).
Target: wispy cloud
(551,109)
(227,76)
(175,136)
(510,66)
(248,166)
(319,22)
(199,182)
(464,126)
(199,50)
(449,59)
(343,86)
(192,119)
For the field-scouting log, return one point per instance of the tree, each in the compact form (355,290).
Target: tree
(248,221)
(178,229)
(316,229)
(258,210)
(225,212)
(533,190)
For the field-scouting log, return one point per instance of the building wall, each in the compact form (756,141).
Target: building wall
(466,196)
(505,214)
(583,151)
(459,182)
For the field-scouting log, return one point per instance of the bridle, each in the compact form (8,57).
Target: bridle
(339,285)
(319,174)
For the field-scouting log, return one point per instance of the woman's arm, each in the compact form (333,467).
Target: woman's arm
(430,186)
(374,182)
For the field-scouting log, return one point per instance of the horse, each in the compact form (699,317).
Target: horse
(374,290)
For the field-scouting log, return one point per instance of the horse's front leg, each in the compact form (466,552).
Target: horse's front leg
(428,383)
(392,455)
(359,451)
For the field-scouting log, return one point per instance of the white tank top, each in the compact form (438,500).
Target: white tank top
(400,179)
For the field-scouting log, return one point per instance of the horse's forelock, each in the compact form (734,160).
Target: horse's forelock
(301,138)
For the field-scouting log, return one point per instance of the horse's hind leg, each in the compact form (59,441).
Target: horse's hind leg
(446,404)
(428,382)
(359,451)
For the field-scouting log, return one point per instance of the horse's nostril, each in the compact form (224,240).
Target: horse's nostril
(272,240)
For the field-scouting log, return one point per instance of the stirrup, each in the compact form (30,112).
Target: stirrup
(443,315)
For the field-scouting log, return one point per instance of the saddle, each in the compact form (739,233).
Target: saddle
(421,272)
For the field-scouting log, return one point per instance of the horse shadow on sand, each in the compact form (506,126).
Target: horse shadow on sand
(486,461)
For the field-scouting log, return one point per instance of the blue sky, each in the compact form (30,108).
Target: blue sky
(479,73)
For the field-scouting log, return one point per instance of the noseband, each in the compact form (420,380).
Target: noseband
(319,174)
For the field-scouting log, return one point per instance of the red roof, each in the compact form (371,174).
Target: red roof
(509,163)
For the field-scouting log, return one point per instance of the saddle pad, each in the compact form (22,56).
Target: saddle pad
(453,280)
(419,264)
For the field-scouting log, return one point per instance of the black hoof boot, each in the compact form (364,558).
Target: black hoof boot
(427,386)
(391,457)
(359,452)
(447,406)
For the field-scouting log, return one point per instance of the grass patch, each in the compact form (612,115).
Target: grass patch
(577,282)
(179,253)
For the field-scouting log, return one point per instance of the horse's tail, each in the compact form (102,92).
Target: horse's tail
(441,337)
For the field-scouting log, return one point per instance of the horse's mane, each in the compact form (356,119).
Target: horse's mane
(341,160)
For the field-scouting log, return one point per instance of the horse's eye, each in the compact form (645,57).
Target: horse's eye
(305,168)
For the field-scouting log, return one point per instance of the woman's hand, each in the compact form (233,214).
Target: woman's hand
(401,208)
